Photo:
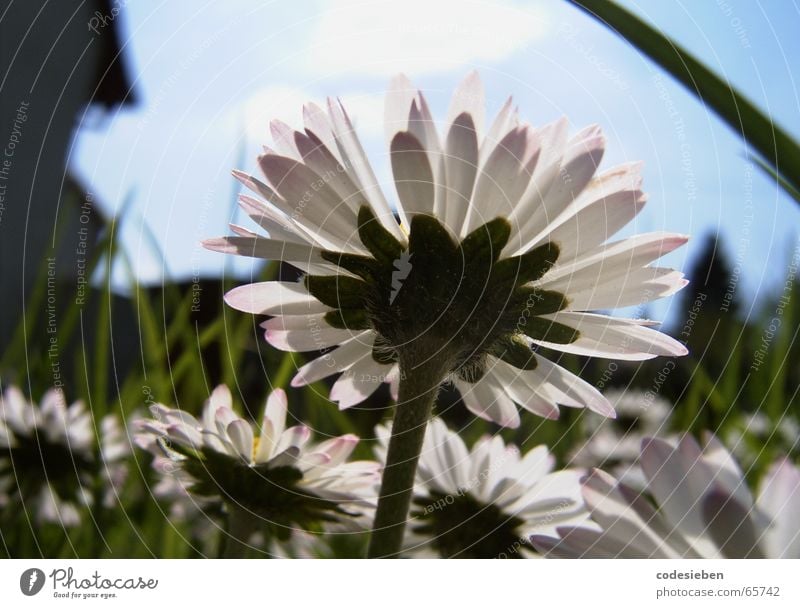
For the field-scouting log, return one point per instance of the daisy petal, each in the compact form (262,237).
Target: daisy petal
(412,174)
(274,298)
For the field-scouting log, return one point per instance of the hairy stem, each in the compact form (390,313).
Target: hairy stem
(236,538)
(419,385)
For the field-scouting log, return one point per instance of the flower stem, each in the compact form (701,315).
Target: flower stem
(240,528)
(419,386)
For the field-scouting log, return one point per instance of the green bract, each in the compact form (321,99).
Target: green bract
(461,526)
(447,299)
(272,493)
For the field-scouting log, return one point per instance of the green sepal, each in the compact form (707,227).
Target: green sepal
(166,446)
(383,355)
(380,242)
(529,266)
(532,301)
(515,351)
(360,265)
(550,331)
(486,242)
(337,291)
(350,318)
(429,239)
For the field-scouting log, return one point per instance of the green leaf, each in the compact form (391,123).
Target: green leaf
(781,181)
(774,145)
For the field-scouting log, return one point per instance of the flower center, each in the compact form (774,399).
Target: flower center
(35,461)
(460,526)
(459,301)
(271,493)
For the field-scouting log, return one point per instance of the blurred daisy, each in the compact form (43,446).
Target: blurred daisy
(275,474)
(704,509)
(748,435)
(485,502)
(613,445)
(51,459)
(498,246)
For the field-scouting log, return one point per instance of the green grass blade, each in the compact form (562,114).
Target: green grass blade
(774,145)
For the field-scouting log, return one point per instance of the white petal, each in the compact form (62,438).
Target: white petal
(15,410)
(294,437)
(523,389)
(461,165)
(552,142)
(502,179)
(413,176)
(779,497)
(581,160)
(612,509)
(359,382)
(272,425)
(312,203)
(399,97)
(335,361)
(454,460)
(277,225)
(603,336)
(489,401)
(283,137)
(275,298)
(502,124)
(432,472)
(611,261)
(354,158)
(468,98)
(240,434)
(679,480)
(302,333)
(572,386)
(595,216)
(268,249)
(316,121)
(322,161)
(338,449)
(634,289)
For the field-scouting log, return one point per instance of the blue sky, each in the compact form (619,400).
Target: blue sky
(211,76)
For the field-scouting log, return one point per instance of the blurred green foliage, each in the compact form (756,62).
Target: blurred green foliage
(174,343)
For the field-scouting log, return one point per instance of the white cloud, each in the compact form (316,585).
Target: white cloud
(285,102)
(380,37)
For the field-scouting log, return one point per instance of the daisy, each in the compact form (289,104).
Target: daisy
(51,457)
(704,509)
(499,246)
(613,445)
(274,474)
(749,435)
(485,502)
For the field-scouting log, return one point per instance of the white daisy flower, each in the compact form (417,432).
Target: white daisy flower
(485,502)
(749,434)
(499,245)
(276,473)
(50,456)
(613,445)
(704,509)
